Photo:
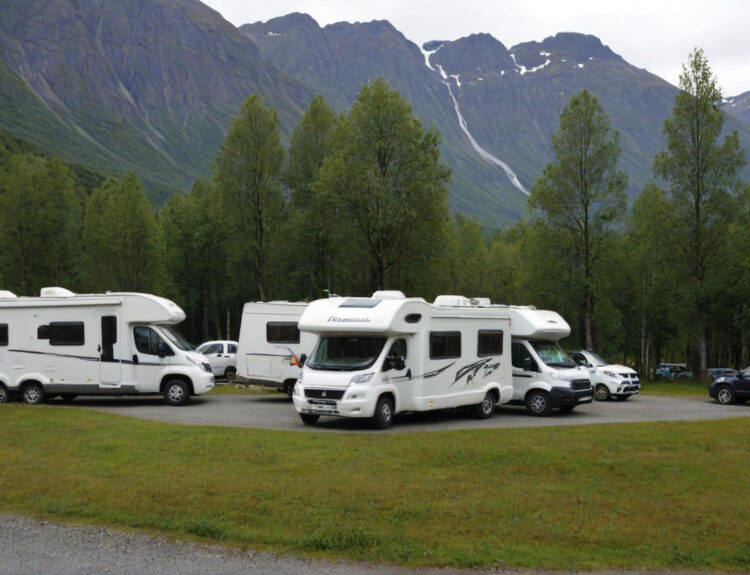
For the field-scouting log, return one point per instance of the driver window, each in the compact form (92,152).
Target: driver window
(397,351)
(521,358)
(147,340)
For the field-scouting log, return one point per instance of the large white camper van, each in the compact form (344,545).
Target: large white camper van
(271,344)
(67,344)
(387,354)
(544,376)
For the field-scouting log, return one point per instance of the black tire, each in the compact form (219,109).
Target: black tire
(67,397)
(725,395)
(4,395)
(176,392)
(486,408)
(383,416)
(33,393)
(601,393)
(538,403)
(230,373)
(309,418)
(289,387)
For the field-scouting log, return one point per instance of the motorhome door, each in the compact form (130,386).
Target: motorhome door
(110,351)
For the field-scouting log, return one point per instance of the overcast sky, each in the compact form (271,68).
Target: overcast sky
(654,34)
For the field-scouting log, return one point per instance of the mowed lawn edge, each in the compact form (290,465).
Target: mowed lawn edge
(627,496)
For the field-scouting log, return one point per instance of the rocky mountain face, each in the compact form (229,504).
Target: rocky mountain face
(147,85)
(739,107)
(152,86)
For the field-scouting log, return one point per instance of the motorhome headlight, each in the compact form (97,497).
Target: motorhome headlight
(198,363)
(611,374)
(362,378)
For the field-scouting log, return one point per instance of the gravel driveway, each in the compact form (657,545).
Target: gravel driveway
(277,412)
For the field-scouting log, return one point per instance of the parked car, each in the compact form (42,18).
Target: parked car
(672,371)
(609,380)
(715,372)
(222,355)
(729,389)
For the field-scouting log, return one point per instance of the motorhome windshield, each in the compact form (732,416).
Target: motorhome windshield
(345,353)
(175,337)
(551,354)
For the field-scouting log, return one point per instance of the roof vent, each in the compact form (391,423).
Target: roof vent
(56,292)
(451,301)
(4,294)
(388,294)
(480,301)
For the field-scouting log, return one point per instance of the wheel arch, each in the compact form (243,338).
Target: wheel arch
(179,377)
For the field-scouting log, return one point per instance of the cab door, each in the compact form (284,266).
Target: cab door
(396,371)
(525,369)
(110,349)
(151,355)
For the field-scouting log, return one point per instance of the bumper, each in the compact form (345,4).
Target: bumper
(564,396)
(203,383)
(356,402)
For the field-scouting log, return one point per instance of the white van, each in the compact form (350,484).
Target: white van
(544,376)
(608,379)
(271,344)
(386,354)
(67,344)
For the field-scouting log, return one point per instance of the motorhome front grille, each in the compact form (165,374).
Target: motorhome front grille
(324,393)
(580,384)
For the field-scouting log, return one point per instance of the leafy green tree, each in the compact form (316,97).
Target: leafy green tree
(386,177)
(247,180)
(313,248)
(40,223)
(121,239)
(194,258)
(466,259)
(703,179)
(580,195)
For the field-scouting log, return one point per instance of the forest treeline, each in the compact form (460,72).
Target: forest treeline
(359,201)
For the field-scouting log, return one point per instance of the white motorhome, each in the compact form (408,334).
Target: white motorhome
(271,344)
(69,344)
(386,354)
(544,376)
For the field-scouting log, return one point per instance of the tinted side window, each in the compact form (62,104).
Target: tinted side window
(66,333)
(489,342)
(445,344)
(146,340)
(232,348)
(213,348)
(3,334)
(521,356)
(282,332)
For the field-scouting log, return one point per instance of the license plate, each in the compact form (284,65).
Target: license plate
(315,407)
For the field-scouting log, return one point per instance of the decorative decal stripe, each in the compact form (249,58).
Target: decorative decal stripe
(86,358)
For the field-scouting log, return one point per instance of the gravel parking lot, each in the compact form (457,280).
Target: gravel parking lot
(277,412)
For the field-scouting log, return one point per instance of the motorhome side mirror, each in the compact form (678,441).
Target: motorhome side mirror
(302,359)
(399,363)
(529,364)
(162,349)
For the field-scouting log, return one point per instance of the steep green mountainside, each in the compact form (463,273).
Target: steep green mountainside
(739,107)
(143,85)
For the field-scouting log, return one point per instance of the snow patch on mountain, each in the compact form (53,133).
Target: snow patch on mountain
(524,70)
(462,123)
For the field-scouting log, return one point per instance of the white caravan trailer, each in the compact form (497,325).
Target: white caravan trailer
(544,376)
(67,344)
(388,354)
(271,344)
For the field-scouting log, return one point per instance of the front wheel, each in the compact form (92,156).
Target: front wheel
(309,418)
(230,373)
(486,408)
(176,393)
(538,403)
(4,395)
(602,392)
(383,416)
(33,394)
(725,395)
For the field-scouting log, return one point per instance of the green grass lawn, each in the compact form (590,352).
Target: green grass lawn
(239,388)
(636,496)
(675,387)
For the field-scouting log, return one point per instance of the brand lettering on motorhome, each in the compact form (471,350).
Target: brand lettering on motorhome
(348,319)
